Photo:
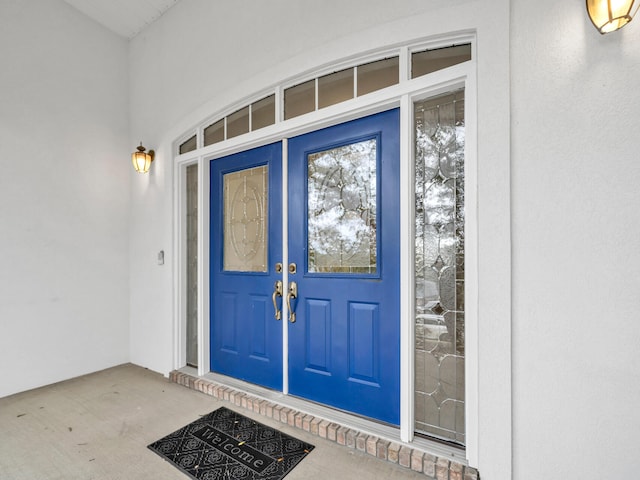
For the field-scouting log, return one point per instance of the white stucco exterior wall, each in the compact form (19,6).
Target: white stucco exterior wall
(576,263)
(64,195)
(201,57)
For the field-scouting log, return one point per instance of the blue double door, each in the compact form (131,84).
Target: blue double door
(339,311)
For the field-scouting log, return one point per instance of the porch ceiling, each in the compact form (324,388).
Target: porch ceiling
(124,17)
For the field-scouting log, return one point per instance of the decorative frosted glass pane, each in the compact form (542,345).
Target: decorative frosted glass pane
(188,146)
(192,264)
(377,75)
(439,266)
(300,99)
(245,220)
(238,123)
(263,113)
(335,88)
(342,209)
(430,61)
(214,133)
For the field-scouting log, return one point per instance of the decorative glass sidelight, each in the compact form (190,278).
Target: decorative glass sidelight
(439,267)
(245,220)
(192,264)
(342,187)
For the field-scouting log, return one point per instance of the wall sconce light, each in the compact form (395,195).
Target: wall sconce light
(141,159)
(610,15)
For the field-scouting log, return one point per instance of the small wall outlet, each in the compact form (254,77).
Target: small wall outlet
(161,257)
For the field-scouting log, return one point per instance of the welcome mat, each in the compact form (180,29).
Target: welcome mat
(226,445)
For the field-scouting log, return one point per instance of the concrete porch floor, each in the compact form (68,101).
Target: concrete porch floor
(98,427)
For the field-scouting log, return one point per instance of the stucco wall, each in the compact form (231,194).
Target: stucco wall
(64,195)
(576,264)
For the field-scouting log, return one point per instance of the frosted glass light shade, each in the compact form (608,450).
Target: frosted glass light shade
(610,15)
(142,160)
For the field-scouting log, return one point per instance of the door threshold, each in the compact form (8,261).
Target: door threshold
(379,440)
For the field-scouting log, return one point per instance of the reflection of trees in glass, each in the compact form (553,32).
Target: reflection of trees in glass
(439,266)
(439,197)
(342,209)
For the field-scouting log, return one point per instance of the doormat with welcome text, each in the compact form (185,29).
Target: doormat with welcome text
(226,445)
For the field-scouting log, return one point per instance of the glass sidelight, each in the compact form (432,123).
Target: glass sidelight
(439,267)
(192,264)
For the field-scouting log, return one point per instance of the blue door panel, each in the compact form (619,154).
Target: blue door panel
(228,329)
(260,322)
(246,340)
(364,343)
(318,338)
(347,353)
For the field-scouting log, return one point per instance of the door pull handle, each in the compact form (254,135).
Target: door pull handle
(277,292)
(293,293)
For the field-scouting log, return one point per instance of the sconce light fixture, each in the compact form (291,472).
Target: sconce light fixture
(610,15)
(142,159)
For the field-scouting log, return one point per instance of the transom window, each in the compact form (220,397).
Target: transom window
(326,90)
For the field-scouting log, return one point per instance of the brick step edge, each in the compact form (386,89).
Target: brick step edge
(435,468)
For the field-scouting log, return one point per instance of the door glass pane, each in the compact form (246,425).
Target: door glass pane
(245,220)
(439,267)
(341,208)
(192,265)
(335,88)
(429,61)
(376,75)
